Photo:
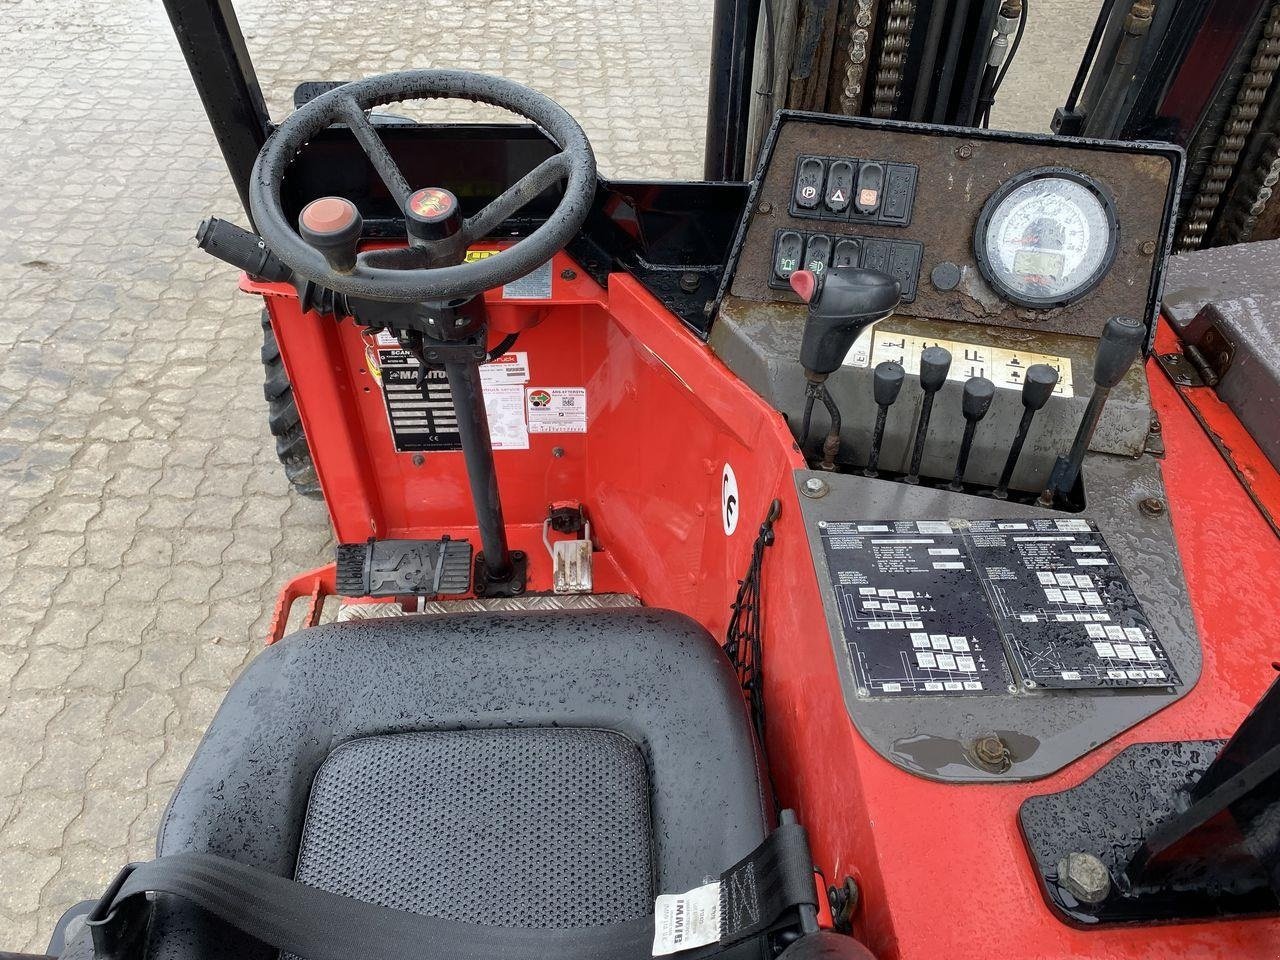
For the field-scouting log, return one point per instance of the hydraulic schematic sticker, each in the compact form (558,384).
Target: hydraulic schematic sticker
(1069,616)
(931,607)
(911,604)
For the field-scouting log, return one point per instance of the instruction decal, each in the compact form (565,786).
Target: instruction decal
(1003,367)
(557,409)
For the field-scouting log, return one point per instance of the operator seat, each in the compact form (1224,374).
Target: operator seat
(539,770)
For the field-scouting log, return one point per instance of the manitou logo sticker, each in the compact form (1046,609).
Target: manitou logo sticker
(729,505)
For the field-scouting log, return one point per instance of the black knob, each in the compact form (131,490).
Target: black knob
(935,362)
(1122,338)
(887,382)
(843,302)
(333,226)
(978,394)
(1038,386)
(432,214)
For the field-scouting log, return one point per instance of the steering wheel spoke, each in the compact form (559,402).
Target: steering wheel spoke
(516,197)
(353,115)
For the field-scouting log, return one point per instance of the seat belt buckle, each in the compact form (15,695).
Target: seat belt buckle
(117,928)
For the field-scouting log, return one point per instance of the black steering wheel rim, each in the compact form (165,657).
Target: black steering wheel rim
(575,162)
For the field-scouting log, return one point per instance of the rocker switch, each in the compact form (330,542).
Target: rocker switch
(809,183)
(787,253)
(848,253)
(870,187)
(839,186)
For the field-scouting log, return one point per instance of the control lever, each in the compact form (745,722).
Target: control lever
(843,301)
(935,362)
(1037,388)
(978,394)
(1121,340)
(886,384)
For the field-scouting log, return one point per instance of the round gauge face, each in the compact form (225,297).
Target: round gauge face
(1046,237)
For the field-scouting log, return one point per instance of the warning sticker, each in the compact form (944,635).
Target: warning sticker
(532,286)
(683,921)
(557,409)
(1005,368)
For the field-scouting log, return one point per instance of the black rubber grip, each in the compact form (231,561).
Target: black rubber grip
(242,249)
(1122,338)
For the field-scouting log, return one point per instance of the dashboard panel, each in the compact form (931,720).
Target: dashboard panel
(1082,226)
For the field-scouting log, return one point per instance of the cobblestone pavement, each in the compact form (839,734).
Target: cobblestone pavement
(145,526)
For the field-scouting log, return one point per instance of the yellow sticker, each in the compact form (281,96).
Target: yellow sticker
(1002,366)
(474,255)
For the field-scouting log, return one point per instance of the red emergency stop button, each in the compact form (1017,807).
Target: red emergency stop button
(432,214)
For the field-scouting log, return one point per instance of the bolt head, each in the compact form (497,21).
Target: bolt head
(568,274)
(992,753)
(815,487)
(1085,877)
(1151,506)
(1147,248)
(964,151)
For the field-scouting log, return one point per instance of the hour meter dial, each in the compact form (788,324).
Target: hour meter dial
(1047,237)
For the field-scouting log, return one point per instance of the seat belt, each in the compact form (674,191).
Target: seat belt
(755,895)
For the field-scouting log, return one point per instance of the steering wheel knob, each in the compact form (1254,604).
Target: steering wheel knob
(333,226)
(432,214)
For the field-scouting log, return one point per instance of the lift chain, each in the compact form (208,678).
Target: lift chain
(893,52)
(855,71)
(1235,134)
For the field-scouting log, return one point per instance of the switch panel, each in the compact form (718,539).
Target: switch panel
(900,259)
(854,190)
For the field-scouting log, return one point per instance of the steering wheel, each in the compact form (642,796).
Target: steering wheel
(400,275)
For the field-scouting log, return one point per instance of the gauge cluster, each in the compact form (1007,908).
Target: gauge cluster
(1001,229)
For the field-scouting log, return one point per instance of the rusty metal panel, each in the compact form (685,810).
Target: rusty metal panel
(958,171)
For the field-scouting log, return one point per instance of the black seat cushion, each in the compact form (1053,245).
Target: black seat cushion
(580,699)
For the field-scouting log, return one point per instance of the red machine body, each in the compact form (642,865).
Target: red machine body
(941,867)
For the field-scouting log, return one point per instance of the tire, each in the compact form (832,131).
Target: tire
(282,417)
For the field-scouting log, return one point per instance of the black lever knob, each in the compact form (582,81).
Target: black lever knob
(935,364)
(843,302)
(978,394)
(976,401)
(333,226)
(886,384)
(1037,388)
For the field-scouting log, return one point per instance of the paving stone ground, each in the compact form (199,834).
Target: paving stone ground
(145,526)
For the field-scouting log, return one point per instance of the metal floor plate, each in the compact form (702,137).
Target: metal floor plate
(540,602)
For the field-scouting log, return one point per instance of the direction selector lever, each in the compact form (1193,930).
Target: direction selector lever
(843,302)
(1121,340)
